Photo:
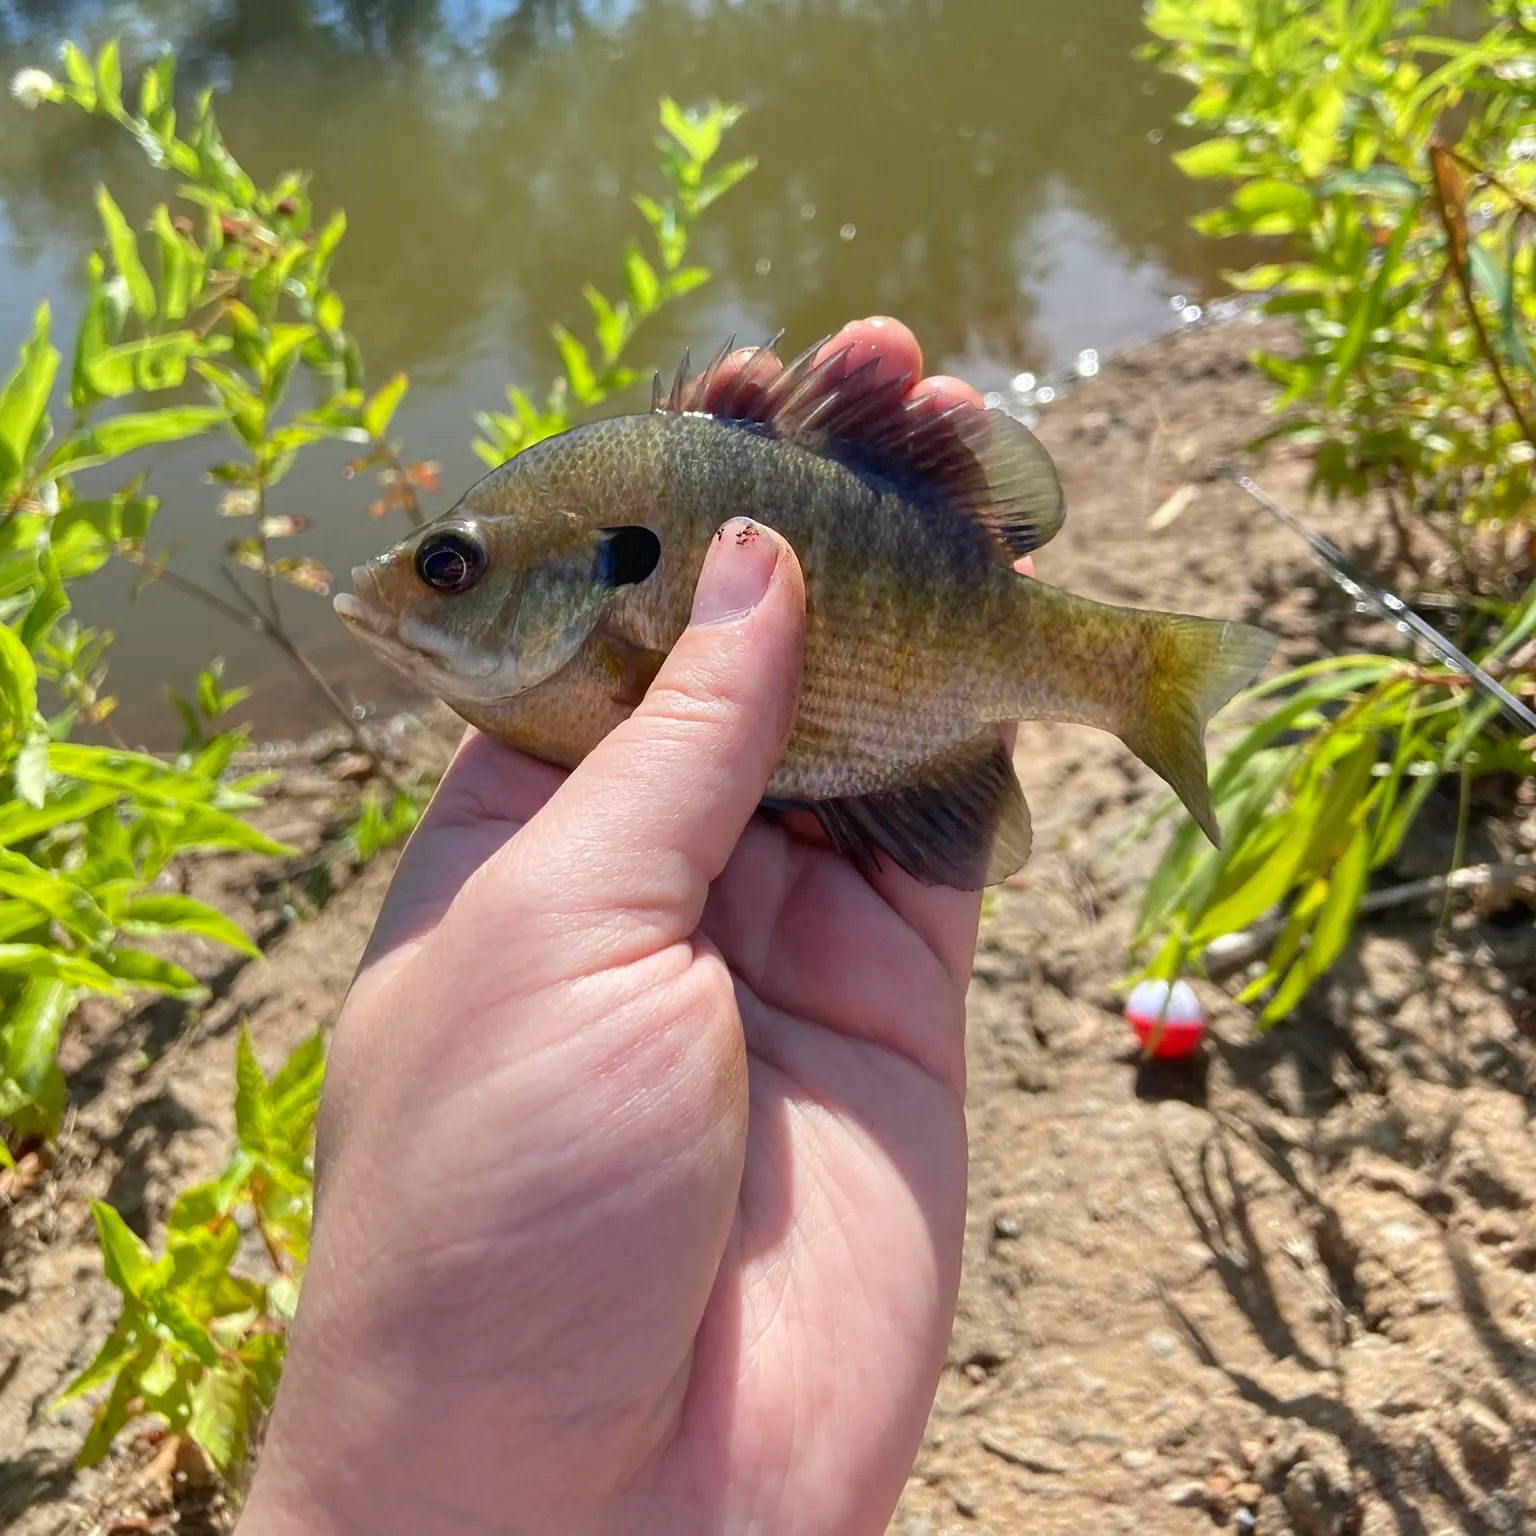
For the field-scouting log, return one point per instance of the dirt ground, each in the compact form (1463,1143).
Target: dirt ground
(1288,1288)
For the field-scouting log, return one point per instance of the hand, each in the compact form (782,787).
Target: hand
(642,1154)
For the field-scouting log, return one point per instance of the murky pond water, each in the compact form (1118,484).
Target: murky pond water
(995,172)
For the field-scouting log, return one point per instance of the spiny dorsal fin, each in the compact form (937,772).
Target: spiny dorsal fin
(963,822)
(987,465)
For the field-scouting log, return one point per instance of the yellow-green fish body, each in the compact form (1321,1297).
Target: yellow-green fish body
(541,607)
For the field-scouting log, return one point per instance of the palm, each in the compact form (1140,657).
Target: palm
(848,1224)
(851,1211)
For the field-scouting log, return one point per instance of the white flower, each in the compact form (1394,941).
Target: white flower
(31,86)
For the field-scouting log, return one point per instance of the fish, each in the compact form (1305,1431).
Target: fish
(541,606)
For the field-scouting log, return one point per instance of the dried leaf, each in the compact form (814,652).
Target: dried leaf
(306,573)
(393,497)
(1173,507)
(238,501)
(425,474)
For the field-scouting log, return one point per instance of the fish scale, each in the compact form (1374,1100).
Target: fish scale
(542,605)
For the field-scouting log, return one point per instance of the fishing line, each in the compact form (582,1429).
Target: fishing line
(1386,603)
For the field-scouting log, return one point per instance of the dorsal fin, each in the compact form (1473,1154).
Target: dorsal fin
(987,465)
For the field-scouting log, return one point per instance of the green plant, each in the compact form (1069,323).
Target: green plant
(242,298)
(198,1344)
(1395,168)
(85,830)
(687,147)
(1398,170)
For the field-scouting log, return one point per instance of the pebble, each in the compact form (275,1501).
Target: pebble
(1185,1495)
(1161,1344)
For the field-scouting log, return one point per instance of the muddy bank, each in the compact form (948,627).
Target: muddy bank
(1292,1289)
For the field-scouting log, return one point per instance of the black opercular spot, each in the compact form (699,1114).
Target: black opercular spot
(450,561)
(627,555)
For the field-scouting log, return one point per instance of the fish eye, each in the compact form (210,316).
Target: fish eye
(627,556)
(450,561)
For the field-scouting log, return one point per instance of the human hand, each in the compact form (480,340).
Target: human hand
(642,1152)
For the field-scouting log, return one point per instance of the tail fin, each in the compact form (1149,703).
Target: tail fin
(1200,664)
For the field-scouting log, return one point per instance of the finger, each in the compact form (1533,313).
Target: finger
(764,371)
(893,347)
(623,854)
(939,391)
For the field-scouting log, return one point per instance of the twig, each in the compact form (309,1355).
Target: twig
(1449,209)
(1473,168)
(1232,951)
(249,616)
(280,638)
(1399,520)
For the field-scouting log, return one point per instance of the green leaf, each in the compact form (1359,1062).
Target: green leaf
(1378,181)
(697,132)
(20,821)
(32,1045)
(25,398)
(578,367)
(1214,157)
(125,1260)
(81,76)
(116,1351)
(1367,313)
(124,246)
(685,280)
(122,516)
(118,1409)
(178,266)
(720,181)
(640,281)
(18,689)
(109,80)
(152,973)
(49,603)
(1273,207)
(134,430)
(380,410)
(253,1100)
(325,246)
(29,772)
(41,961)
(175,1324)
(294,1092)
(183,914)
(1330,933)
(610,325)
(220,1419)
(57,895)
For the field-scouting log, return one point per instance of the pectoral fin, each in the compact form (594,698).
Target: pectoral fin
(962,822)
(630,668)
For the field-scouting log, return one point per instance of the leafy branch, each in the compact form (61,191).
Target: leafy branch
(687,146)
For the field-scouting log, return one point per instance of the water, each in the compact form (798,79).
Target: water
(989,170)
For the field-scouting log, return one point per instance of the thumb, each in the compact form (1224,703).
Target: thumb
(650,818)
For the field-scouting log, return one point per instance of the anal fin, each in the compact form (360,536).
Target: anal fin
(962,822)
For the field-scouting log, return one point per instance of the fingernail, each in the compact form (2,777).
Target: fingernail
(737,569)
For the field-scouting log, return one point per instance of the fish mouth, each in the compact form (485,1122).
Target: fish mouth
(357,611)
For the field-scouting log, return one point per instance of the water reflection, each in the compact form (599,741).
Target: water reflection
(981,167)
